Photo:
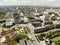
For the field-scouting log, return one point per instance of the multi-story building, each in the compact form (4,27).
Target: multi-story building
(16,16)
(9,22)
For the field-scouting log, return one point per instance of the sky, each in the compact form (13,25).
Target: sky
(31,2)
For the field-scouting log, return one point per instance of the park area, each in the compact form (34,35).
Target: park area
(54,36)
(21,29)
(2,15)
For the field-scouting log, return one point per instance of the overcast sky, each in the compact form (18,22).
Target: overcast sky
(31,2)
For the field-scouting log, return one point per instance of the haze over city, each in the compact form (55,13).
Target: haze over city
(53,3)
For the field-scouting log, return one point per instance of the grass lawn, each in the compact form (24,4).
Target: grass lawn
(19,37)
(25,30)
(55,35)
(13,43)
(56,38)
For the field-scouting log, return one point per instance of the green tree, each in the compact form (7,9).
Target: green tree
(14,43)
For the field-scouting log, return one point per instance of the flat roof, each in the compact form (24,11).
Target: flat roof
(56,22)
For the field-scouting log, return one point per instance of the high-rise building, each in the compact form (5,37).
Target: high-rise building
(46,18)
(16,16)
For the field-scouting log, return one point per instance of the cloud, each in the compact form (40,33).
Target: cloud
(51,0)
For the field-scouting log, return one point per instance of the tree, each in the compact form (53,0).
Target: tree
(14,43)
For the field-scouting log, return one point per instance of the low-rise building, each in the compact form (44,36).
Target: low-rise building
(7,36)
(22,42)
(28,42)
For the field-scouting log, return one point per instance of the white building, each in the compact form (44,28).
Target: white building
(46,16)
(9,22)
(25,19)
(3,39)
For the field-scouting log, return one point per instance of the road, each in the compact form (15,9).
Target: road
(32,36)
